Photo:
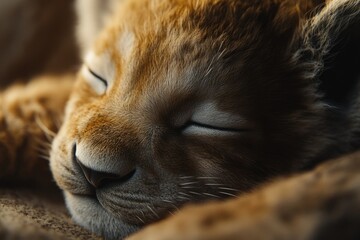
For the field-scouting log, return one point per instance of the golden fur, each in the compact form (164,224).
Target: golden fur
(187,101)
(29,116)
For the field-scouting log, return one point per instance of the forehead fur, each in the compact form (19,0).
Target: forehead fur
(238,24)
(166,35)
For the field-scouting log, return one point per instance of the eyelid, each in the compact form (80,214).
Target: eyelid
(225,129)
(208,119)
(97,83)
(210,114)
(98,76)
(193,129)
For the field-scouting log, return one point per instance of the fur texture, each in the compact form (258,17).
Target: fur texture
(321,204)
(188,101)
(29,116)
(149,101)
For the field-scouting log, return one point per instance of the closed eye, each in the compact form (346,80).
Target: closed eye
(97,82)
(201,129)
(202,125)
(98,77)
(207,119)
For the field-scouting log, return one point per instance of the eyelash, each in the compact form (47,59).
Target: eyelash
(98,77)
(192,123)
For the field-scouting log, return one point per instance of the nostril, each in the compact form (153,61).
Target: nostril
(98,178)
(95,178)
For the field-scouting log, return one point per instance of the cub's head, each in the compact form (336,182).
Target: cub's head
(183,101)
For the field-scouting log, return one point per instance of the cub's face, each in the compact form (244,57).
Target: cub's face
(180,101)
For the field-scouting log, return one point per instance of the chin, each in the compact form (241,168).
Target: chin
(88,212)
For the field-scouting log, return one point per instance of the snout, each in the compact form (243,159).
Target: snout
(99,169)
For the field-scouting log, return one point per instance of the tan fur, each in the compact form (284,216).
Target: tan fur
(29,116)
(163,62)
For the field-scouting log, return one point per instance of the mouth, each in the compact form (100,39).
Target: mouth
(88,212)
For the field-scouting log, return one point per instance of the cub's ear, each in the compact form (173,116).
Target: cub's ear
(92,16)
(330,52)
(287,19)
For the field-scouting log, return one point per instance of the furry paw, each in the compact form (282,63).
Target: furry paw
(29,117)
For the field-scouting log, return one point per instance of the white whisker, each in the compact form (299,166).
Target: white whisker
(221,53)
(185,194)
(205,178)
(229,194)
(208,72)
(187,183)
(186,177)
(230,189)
(140,219)
(183,198)
(152,210)
(195,193)
(45,157)
(48,133)
(210,195)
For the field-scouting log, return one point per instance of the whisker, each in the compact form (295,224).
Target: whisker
(229,194)
(208,72)
(183,198)
(58,122)
(44,157)
(230,189)
(195,193)
(48,133)
(186,177)
(189,187)
(205,178)
(152,210)
(42,150)
(187,183)
(185,194)
(42,142)
(140,219)
(210,195)
(222,53)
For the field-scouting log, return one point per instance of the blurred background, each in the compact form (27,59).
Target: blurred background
(36,37)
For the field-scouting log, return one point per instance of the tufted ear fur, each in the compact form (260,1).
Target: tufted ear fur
(287,19)
(290,15)
(92,16)
(331,51)
(329,56)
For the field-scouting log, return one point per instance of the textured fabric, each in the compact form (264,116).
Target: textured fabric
(31,214)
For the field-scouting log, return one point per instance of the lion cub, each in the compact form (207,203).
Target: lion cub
(185,101)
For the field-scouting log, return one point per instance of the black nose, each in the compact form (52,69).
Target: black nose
(97,179)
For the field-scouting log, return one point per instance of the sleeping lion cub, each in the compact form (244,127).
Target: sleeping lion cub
(185,101)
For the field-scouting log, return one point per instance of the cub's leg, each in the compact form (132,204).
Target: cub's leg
(321,204)
(29,117)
